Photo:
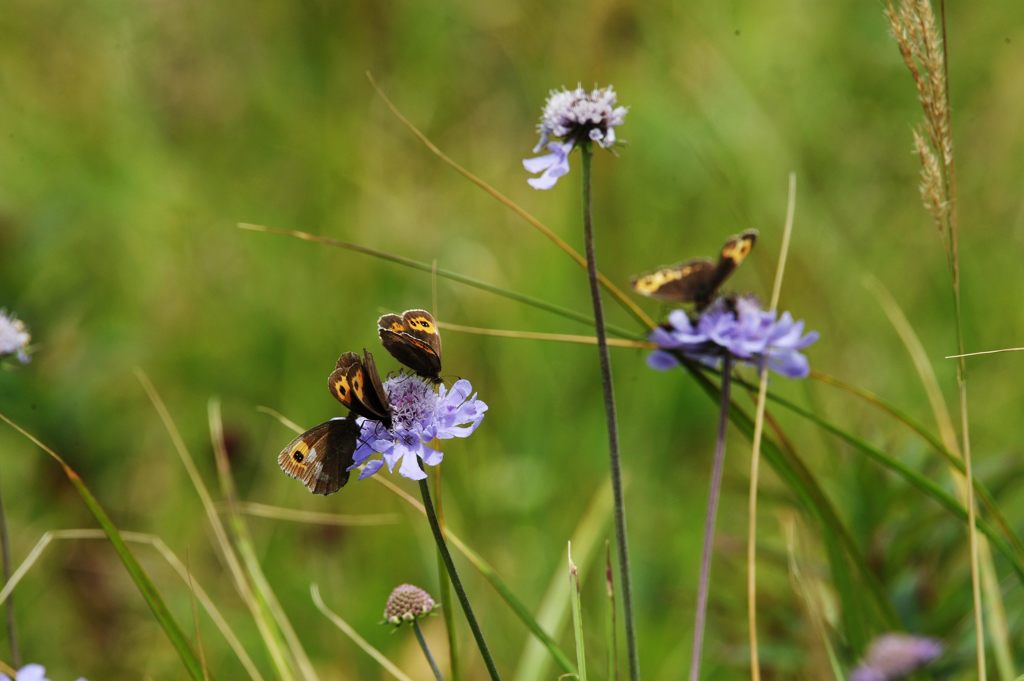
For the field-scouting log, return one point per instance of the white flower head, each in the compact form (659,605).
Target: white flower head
(14,337)
(574,117)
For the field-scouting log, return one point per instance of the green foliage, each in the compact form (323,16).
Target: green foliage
(134,136)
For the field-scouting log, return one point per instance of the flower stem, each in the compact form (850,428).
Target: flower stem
(426,651)
(446,587)
(12,633)
(442,547)
(709,523)
(610,417)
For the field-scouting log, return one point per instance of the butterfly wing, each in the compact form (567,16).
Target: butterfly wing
(733,253)
(356,384)
(413,339)
(320,457)
(680,283)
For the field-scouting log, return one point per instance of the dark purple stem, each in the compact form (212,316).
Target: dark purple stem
(709,523)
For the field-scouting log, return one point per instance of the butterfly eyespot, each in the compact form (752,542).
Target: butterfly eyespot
(397,327)
(297,455)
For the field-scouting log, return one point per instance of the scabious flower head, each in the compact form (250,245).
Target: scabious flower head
(14,337)
(406,603)
(894,656)
(30,672)
(418,415)
(573,117)
(736,327)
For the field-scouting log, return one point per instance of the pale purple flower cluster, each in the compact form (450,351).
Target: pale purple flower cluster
(14,337)
(737,327)
(30,672)
(894,656)
(574,117)
(418,416)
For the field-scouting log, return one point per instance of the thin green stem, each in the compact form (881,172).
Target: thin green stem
(714,492)
(949,175)
(12,633)
(426,651)
(442,547)
(610,417)
(438,271)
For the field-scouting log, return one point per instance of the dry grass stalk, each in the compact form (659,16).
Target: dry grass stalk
(916,31)
(921,44)
(932,188)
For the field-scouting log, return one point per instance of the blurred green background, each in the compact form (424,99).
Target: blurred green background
(134,136)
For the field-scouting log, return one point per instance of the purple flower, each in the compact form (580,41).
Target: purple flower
(736,327)
(553,165)
(418,416)
(14,337)
(894,656)
(30,672)
(575,117)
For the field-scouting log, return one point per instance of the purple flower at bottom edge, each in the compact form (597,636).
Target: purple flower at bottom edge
(737,327)
(894,656)
(552,166)
(418,416)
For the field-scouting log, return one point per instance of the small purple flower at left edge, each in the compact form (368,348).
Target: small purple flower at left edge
(574,117)
(418,415)
(737,327)
(30,672)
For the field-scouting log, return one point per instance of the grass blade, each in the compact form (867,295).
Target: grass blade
(587,537)
(346,628)
(577,617)
(243,540)
(142,582)
(443,273)
(261,615)
(296,515)
(925,485)
(169,556)
(801,481)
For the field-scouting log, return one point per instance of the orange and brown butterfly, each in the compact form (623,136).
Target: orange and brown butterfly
(696,281)
(321,456)
(356,384)
(413,339)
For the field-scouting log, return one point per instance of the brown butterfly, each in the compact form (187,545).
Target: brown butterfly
(321,456)
(413,339)
(696,280)
(356,384)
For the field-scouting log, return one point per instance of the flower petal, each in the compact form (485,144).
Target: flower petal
(371,468)
(32,672)
(661,360)
(411,466)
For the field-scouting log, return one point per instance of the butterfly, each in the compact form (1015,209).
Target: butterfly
(413,339)
(356,384)
(696,280)
(321,456)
